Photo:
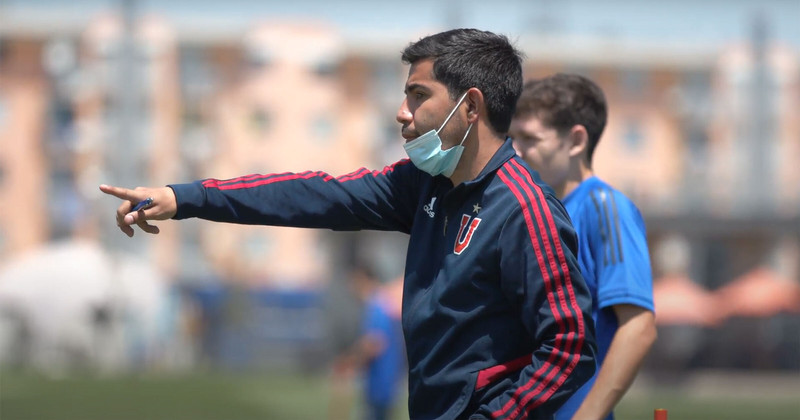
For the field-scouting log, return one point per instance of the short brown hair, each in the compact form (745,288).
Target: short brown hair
(563,101)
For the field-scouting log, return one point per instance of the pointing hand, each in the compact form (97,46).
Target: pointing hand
(162,206)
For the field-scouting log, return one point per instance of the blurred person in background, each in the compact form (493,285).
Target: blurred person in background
(495,311)
(558,123)
(379,351)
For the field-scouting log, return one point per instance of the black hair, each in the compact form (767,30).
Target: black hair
(563,101)
(467,58)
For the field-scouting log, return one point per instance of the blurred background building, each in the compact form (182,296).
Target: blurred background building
(704,135)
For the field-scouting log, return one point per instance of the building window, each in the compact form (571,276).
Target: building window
(695,96)
(322,129)
(61,137)
(633,82)
(197,86)
(260,121)
(3,112)
(258,57)
(325,67)
(633,135)
(386,76)
(196,76)
(696,140)
(257,245)
(65,204)
(194,262)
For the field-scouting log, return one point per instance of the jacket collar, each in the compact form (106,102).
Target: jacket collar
(505,153)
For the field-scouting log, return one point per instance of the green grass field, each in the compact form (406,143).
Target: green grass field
(291,397)
(687,407)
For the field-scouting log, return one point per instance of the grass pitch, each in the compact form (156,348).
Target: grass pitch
(206,396)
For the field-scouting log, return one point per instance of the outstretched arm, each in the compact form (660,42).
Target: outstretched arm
(363,199)
(632,341)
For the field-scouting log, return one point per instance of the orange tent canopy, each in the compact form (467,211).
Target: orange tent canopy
(680,301)
(759,293)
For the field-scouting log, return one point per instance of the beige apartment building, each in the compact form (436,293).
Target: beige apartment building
(286,98)
(683,139)
(681,133)
(704,141)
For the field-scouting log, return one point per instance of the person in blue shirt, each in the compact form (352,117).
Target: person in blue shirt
(379,350)
(495,312)
(556,128)
(382,344)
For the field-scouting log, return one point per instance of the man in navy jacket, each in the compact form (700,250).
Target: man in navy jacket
(496,315)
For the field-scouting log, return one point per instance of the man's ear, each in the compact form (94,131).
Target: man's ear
(578,140)
(475,104)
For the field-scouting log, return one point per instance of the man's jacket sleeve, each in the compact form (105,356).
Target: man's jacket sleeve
(364,199)
(541,278)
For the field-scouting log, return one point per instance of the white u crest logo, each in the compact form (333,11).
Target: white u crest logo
(463,239)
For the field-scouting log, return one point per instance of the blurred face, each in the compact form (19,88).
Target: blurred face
(426,106)
(543,149)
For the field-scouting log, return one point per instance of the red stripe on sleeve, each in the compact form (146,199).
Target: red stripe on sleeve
(364,172)
(254,180)
(353,175)
(251,181)
(574,309)
(526,211)
(245,178)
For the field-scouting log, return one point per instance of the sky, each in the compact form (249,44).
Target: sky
(711,22)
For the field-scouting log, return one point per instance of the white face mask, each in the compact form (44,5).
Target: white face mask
(426,151)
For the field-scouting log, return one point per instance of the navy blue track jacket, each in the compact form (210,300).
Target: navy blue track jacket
(496,316)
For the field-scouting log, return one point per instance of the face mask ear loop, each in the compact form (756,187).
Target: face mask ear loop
(453,111)
(465,135)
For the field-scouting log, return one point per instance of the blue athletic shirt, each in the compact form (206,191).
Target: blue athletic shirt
(614,260)
(386,369)
(496,315)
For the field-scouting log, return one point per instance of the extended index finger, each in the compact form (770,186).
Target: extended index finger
(119,192)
